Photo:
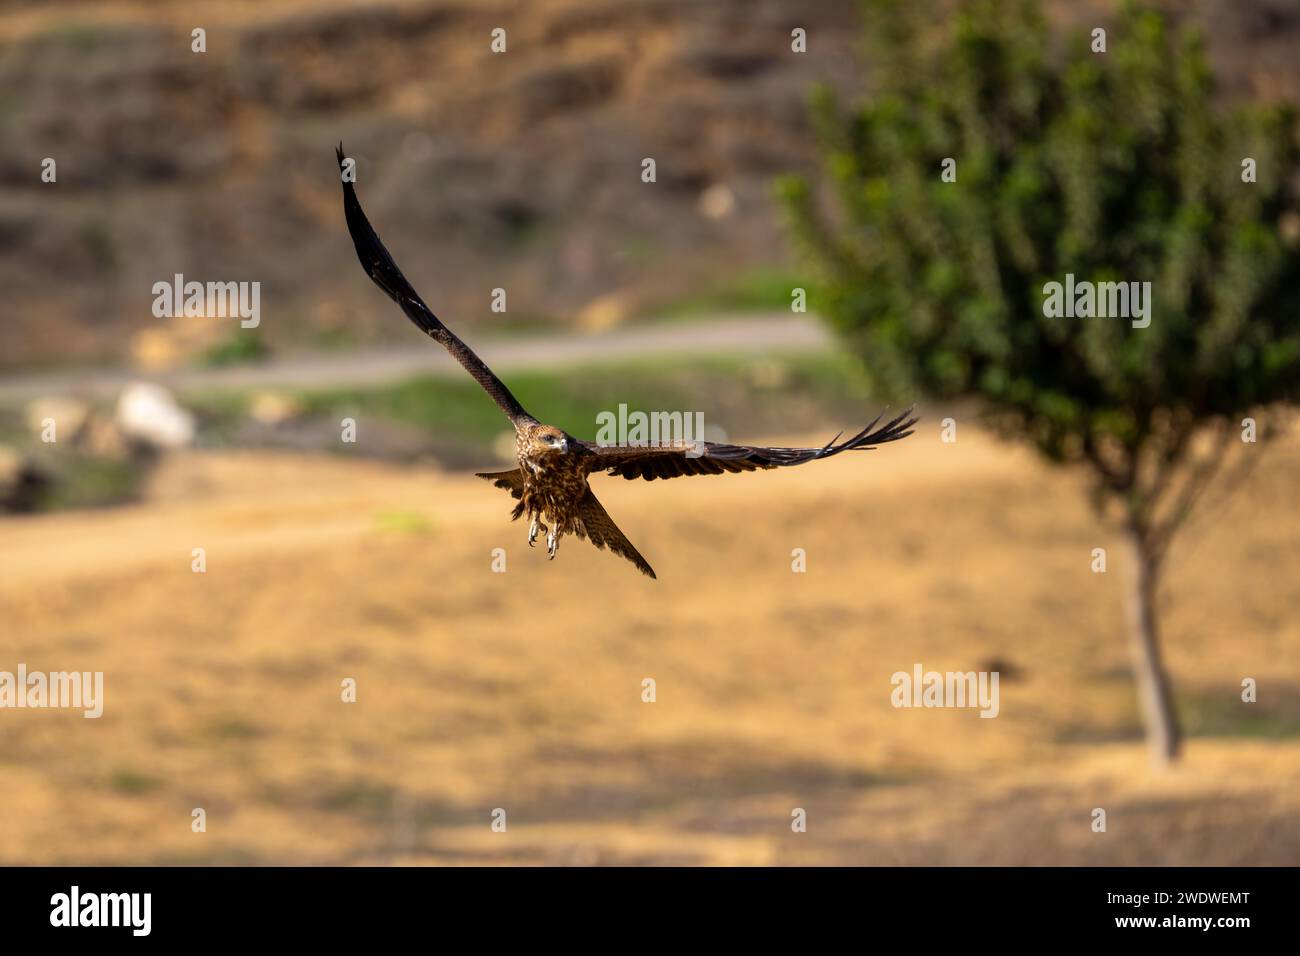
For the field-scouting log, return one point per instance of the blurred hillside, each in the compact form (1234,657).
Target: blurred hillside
(518,170)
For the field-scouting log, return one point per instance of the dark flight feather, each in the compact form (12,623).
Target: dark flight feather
(381,268)
(513,482)
(651,462)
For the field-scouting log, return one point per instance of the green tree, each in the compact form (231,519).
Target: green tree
(1108,166)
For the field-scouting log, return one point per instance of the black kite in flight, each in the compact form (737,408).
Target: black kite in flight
(551,480)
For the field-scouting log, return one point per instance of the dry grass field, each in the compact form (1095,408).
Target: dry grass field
(522,690)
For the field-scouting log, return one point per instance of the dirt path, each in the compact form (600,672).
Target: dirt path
(789,334)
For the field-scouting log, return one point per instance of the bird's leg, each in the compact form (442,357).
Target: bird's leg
(532,531)
(552,544)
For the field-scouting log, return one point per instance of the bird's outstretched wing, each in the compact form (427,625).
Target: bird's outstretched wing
(657,461)
(381,268)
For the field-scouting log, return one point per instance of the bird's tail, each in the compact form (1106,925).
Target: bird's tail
(595,524)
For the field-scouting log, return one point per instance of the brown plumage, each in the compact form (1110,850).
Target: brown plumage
(550,483)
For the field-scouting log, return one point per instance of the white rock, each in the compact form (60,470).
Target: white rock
(148,413)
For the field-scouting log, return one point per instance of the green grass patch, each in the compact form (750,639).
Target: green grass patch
(403,522)
(232,728)
(735,393)
(132,782)
(81,481)
(755,291)
(239,348)
(1227,715)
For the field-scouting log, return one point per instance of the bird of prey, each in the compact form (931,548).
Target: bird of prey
(550,482)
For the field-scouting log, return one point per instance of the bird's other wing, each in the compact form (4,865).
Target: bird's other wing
(658,461)
(512,481)
(381,268)
(598,527)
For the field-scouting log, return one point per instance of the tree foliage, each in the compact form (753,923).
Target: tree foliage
(1114,166)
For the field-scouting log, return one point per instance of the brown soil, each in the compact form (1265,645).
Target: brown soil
(522,690)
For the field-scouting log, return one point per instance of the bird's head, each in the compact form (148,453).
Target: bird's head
(552,439)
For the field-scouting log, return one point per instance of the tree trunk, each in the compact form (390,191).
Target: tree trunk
(1154,692)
